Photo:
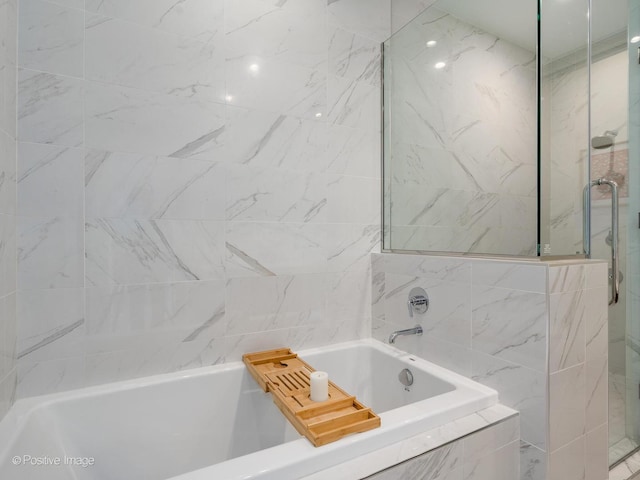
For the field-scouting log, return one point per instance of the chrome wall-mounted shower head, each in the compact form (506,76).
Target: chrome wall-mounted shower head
(605,140)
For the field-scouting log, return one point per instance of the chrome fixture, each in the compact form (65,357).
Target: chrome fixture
(613,276)
(418,301)
(605,140)
(417,330)
(406,377)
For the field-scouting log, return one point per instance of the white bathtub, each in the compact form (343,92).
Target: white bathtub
(214,423)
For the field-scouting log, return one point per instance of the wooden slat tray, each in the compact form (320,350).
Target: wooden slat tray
(286,376)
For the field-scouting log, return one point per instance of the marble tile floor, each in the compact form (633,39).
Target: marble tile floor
(617,412)
(620,449)
(619,444)
(627,470)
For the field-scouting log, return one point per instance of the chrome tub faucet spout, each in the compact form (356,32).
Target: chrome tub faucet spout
(417,330)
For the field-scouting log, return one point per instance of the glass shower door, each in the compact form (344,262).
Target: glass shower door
(625,341)
(615,155)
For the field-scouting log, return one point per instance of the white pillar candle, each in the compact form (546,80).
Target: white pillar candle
(319,386)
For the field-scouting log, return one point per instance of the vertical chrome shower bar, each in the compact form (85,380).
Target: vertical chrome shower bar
(586,219)
(615,280)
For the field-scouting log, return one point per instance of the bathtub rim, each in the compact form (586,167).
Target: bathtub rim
(22,410)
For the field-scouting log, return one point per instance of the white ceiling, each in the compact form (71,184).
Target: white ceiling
(564,22)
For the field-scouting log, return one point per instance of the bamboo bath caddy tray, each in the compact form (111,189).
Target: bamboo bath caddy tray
(286,376)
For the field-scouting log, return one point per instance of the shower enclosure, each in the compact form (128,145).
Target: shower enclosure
(507,135)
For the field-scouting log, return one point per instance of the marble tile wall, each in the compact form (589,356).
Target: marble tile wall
(578,372)
(489,454)
(526,329)
(196,179)
(8,75)
(461,139)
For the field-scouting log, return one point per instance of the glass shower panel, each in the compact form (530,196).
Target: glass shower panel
(624,320)
(564,125)
(460,117)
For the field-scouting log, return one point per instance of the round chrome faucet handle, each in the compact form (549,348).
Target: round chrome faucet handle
(418,301)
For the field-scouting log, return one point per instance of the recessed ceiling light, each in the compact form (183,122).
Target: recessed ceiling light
(635,39)
(318,115)
(229,98)
(431,43)
(440,65)
(254,67)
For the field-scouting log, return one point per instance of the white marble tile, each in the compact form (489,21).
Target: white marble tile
(191,310)
(444,462)
(533,462)
(353,152)
(7,174)
(349,294)
(353,103)
(125,251)
(502,464)
(278,302)
(199,19)
(567,319)
(49,108)
(452,356)
(449,315)
(510,324)
(531,278)
(7,392)
(8,32)
(568,463)
(344,329)
(411,448)
(349,244)
(353,56)
(596,322)
(403,11)
(418,165)
(39,378)
(127,185)
(437,268)
(295,338)
(415,205)
(51,324)
(154,355)
(51,38)
(129,120)
(50,252)
(371,19)
(566,278)
(597,462)
(50,180)
(250,252)
(121,53)
(276,86)
(596,391)
(617,409)
(241,12)
(520,388)
(8,254)
(487,441)
(597,275)
(255,137)
(8,99)
(567,406)
(274,194)
(8,329)
(353,200)
(295,34)
(626,469)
